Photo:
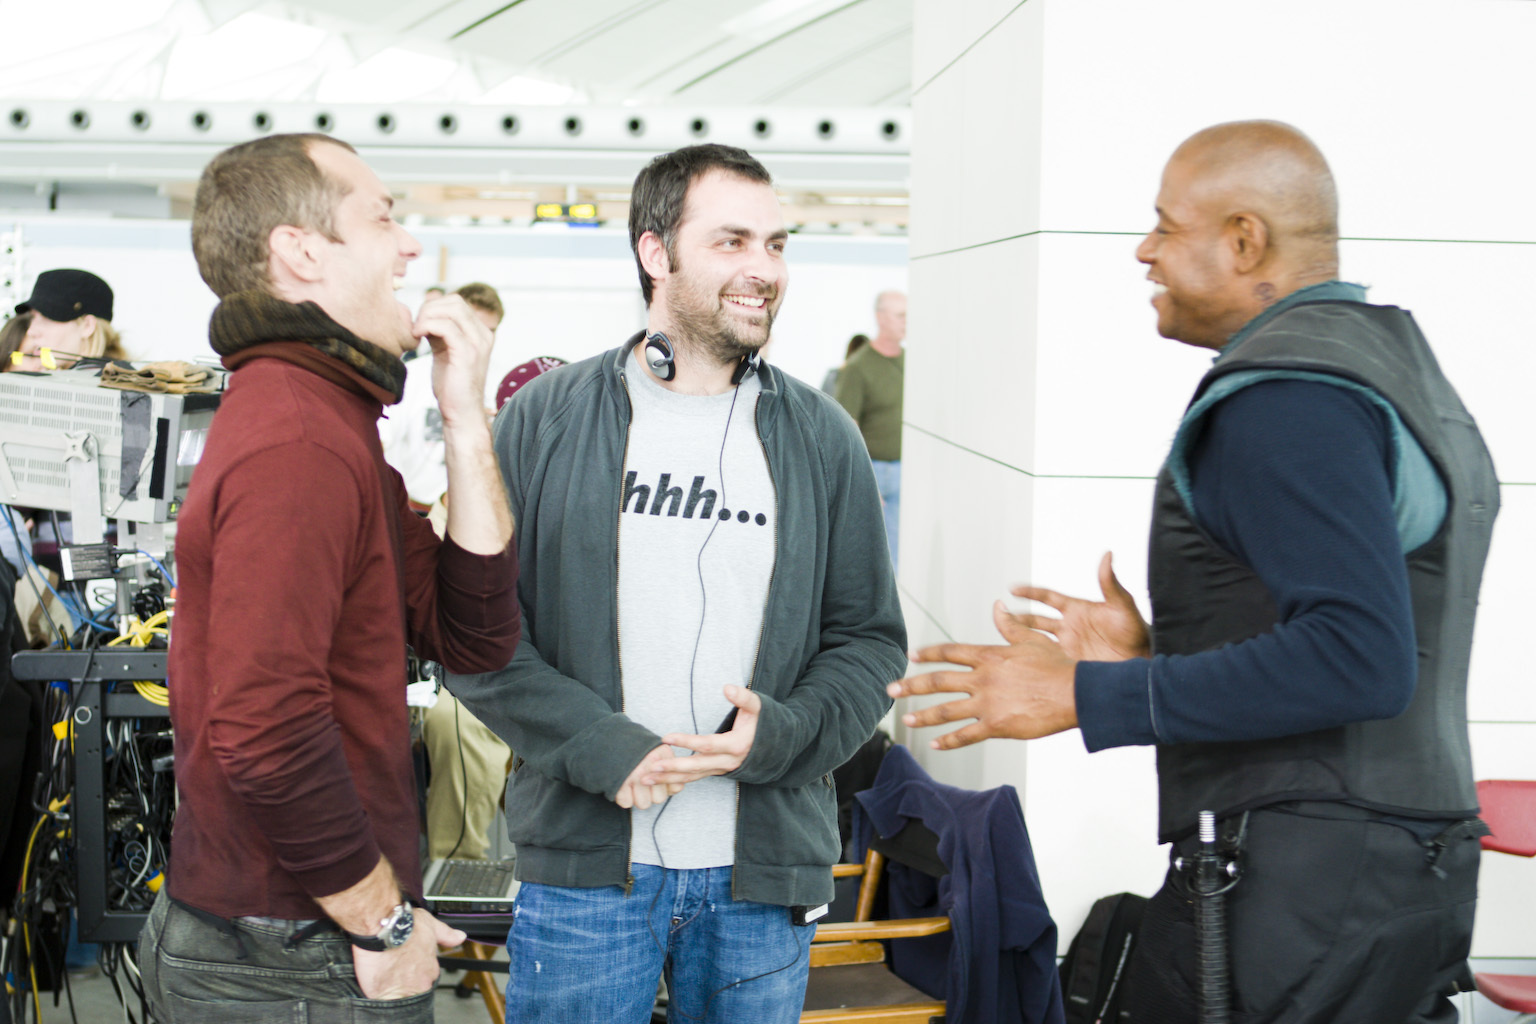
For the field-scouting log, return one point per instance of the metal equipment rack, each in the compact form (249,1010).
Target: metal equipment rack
(90,672)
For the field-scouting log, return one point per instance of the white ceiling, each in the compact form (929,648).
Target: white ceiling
(478,108)
(784,53)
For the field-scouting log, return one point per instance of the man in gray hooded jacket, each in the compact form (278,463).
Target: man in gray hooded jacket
(710,617)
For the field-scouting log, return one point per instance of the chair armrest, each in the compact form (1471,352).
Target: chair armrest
(908,928)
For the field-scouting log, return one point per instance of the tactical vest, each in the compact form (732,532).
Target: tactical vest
(1419,763)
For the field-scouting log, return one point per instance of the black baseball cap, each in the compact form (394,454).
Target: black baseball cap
(66,295)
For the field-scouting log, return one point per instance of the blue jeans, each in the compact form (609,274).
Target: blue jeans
(888,480)
(241,972)
(594,956)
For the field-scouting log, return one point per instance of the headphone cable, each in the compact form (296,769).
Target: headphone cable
(694,715)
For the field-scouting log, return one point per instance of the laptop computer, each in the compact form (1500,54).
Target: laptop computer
(456,886)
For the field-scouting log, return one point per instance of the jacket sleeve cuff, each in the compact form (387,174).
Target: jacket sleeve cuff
(769,756)
(604,754)
(1114,703)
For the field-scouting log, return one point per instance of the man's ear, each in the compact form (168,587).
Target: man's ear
(653,257)
(293,255)
(1248,238)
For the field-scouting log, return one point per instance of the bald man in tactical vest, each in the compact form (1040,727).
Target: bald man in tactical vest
(1318,538)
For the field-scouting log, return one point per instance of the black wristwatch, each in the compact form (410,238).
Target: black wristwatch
(393,933)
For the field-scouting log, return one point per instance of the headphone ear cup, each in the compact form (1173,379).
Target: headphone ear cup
(658,356)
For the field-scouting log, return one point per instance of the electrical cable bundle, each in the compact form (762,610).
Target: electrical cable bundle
(139,794)
(37,930)
(144,634)
(138,804)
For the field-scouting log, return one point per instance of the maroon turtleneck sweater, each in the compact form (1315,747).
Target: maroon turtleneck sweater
(302,574)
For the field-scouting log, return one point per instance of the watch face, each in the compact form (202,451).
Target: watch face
(398,928)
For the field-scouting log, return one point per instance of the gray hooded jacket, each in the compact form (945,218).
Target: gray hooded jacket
(832,636)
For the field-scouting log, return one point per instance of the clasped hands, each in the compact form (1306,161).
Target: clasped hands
(663,773)
(1021,690)
(1025,689)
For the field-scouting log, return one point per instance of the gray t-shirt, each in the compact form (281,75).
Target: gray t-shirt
(696,550)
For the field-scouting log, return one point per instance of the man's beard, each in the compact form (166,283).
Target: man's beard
(712,332)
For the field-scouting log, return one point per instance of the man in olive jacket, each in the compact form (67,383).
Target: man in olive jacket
(710,615)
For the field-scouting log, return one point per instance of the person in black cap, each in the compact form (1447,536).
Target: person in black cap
(71,319)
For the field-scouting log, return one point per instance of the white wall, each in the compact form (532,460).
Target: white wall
(568,292)
(1035,426)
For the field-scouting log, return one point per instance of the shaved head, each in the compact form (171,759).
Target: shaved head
(1246,215)
(1274,171)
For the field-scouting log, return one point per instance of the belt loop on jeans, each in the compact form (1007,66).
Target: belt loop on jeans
(224,926)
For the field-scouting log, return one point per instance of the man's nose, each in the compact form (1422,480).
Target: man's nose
(410,248)
(763,266)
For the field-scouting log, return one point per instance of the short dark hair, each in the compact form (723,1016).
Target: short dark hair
(247,191)
(661,189)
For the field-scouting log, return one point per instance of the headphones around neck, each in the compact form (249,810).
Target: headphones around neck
(662,360)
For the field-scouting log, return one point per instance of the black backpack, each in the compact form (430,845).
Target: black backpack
(1094,970)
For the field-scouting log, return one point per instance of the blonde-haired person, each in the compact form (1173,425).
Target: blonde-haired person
(11,336)
(486,303)
(71,318)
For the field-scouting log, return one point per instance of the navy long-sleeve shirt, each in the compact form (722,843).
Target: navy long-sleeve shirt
(1293,477)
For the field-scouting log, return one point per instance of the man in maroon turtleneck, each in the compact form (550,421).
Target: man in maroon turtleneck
(303,575)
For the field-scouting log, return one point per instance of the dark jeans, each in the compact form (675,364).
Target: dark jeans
(248,973)
(1339,916)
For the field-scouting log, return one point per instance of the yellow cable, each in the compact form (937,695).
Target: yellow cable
(26,935)
(139,634)
(153,693)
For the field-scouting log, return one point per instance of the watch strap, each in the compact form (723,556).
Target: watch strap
(390,934)
(372,943)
